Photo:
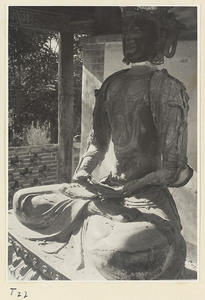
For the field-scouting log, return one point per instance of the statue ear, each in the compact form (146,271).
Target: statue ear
(173,28)
(159,58)
(168,39)
(166,46)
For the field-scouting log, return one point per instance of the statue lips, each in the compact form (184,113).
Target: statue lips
(134,47)
(130,46)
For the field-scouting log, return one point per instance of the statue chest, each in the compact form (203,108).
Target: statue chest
(129,111)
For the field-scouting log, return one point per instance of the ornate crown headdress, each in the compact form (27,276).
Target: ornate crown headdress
(168,28)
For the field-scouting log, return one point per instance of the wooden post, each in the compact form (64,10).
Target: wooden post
(65,107)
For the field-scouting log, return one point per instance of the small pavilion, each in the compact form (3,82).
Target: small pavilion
(102,56)
(67,20)
(101,25)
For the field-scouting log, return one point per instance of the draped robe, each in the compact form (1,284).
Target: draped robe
(135,237)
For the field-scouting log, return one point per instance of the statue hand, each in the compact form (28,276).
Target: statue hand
(107,191)
(130,187)
(85,179)
(81,177)
(113,180)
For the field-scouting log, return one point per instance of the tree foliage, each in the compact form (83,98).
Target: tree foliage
(33,66)
(38,135)
(33,83)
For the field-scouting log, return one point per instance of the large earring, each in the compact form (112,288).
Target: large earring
(171,44)
(174,28)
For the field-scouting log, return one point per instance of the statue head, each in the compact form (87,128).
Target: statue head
(149,34)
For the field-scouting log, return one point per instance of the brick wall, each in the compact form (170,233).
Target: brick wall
(34,165)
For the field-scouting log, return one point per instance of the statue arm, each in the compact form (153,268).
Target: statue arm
(169,105)
(99,138)
(162,177)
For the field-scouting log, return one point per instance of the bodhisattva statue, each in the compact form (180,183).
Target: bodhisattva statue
(125,226)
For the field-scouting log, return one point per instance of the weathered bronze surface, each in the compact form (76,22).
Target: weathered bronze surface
(125,227)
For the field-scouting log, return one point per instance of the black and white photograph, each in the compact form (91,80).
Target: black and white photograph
(103,156)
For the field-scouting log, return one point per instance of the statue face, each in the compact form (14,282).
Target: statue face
(139,41)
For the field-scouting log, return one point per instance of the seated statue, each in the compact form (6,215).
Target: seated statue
(125,226)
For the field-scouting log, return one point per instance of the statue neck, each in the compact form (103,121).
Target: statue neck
(142,68)
(143,63)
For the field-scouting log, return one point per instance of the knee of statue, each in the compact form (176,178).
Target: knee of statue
(137,250)
(29,204)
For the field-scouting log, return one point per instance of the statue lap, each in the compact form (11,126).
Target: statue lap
(136,238)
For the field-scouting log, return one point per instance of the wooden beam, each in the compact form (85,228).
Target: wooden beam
(65,107)
(75,12)
(83,27)
(42,20)
(21,17)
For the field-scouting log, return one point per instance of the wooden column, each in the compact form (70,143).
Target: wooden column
(65,107)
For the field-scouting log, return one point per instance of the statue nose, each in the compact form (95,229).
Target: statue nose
(129,38)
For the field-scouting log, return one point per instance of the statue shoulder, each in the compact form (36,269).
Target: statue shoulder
(109,80)
(168,89)
(116,75)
